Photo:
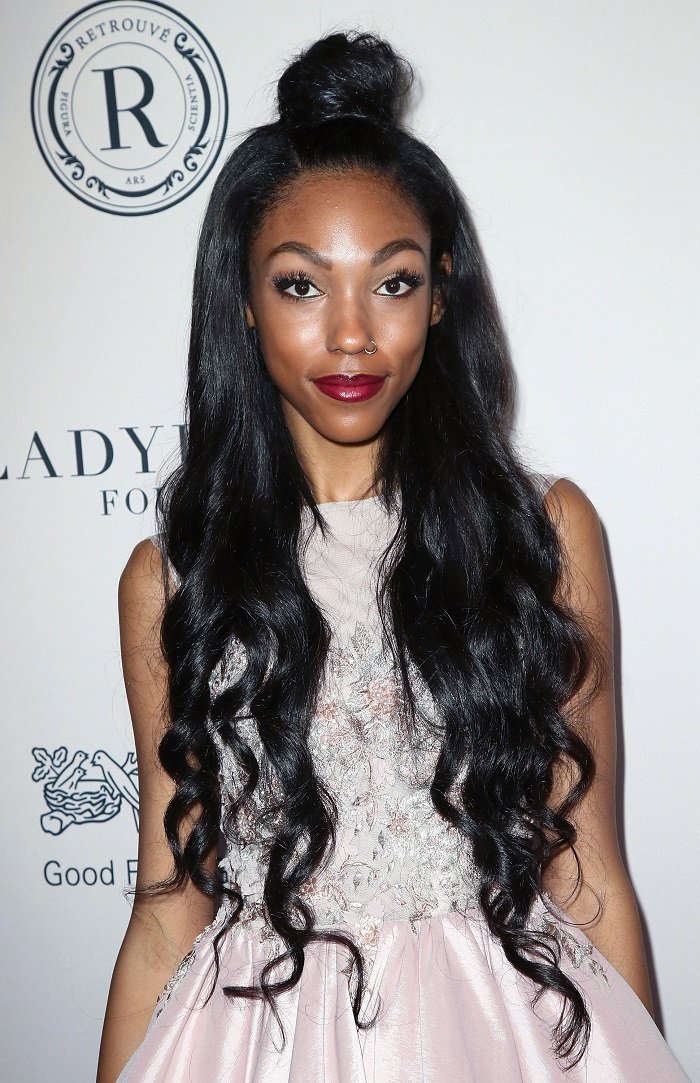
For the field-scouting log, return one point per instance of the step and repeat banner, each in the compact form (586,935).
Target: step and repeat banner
(569,127)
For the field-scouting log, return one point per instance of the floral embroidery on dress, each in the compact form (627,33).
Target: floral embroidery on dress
(576,953)
(187,960)
(174,981)
(396,857)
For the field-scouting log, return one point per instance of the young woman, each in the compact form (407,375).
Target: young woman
(374,650)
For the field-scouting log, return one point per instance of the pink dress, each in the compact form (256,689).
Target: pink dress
(401,879)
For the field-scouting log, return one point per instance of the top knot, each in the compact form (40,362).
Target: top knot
(344,75)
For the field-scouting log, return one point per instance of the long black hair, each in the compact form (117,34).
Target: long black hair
(469,588)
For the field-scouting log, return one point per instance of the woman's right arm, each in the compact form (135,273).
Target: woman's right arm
(162,928)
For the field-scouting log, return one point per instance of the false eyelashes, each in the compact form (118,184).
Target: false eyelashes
(284,281)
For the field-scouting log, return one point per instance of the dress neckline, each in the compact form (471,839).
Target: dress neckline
(349,503)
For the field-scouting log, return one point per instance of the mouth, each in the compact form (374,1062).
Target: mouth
(340,378)
(350,387)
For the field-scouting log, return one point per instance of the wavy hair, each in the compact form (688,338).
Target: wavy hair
(468,585)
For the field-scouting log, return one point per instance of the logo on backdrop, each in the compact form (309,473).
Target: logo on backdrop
(82,790)
(129,106)
(92,453)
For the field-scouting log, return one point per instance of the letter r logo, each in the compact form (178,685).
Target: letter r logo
(129,108)
(136,110)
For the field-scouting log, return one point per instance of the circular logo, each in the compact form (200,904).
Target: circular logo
(129,106)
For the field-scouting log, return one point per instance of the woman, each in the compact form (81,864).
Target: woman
(373,649)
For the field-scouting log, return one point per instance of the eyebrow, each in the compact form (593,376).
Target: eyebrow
(382,254)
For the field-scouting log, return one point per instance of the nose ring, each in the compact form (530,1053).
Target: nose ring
(371,351)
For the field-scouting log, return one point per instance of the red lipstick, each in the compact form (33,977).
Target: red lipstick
(355,388)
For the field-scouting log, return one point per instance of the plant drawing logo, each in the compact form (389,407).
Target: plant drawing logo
(80,790)
(129,106)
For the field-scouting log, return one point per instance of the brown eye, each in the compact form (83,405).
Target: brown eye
(298,282)
(401,283)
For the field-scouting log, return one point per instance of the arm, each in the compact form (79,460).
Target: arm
(161,928)
(616,930)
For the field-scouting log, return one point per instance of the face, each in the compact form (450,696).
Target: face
(342,262)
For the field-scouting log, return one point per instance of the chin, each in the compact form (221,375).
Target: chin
(352,432)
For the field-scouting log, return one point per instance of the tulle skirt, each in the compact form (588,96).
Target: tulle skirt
(453,1010)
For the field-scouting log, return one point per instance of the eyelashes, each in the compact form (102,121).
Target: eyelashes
(283,282)
(412,279)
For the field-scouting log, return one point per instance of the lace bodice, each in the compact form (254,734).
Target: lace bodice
(395,856)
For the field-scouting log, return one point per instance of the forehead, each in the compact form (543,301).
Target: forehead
(323,208)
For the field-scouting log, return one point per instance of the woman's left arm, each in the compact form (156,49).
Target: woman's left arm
(615,927)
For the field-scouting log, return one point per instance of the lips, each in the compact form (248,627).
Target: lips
(350,387)
(355,378)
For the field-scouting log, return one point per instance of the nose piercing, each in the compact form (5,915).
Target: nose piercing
(365,350)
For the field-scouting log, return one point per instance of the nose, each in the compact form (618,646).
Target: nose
(349,329)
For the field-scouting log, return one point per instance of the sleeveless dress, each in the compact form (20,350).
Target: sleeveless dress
(401,880)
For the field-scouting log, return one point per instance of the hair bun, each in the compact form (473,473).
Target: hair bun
(354,74)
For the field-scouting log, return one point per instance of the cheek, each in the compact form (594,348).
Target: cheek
(403,333)
(286,336)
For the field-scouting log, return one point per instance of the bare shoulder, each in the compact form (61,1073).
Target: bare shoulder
(141,604)
(572,511)
(145,564)
(585,581)
(141,591)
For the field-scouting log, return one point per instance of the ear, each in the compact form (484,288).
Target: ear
(438,306)
(250,318)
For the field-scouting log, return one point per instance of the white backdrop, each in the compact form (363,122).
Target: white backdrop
(571,127)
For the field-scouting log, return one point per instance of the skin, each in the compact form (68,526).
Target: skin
(614,925)
(347,220)
(161,929)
